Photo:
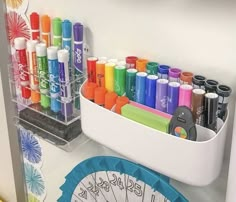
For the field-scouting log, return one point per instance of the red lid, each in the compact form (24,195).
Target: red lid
(34,20)
(25,92)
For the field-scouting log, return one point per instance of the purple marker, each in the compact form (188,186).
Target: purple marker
(161,94)
(174,74)
(78,46)
(173,97)
(66,99)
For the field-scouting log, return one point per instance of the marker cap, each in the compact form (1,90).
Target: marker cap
(131,59)
(88,90)
(45,101)
(141,65)
(110,100)
(63,55)
(120,102)
(46,23)
(174,72)
(41,50)
(31,45)
(20,43)
(52,52)
(99,95)
(164,69)
(35,96)
(55,105)
(78,32)
(66,29)
(57,26)
(25,92)
(186,77)
(34,20)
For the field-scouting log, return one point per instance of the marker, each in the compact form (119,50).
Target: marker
(173,97)
(161,94)
(223,92)
(78,46)
(91,69)
(197,106)
(130,83)
(131,62)
(57,32)
(174,74)
(66,39)
(99,96)
(41,52)
(20,46)
(186,78)
(163,72)
(185,95)
(109,76)
(140,87)
(150,98)
(119,78)
(34,24)
(46,29)
(199,82)
(211,86)
(53,71)
(64,79)
(100,73)
(152,68)
(33,69)
(141,65)
(211,107)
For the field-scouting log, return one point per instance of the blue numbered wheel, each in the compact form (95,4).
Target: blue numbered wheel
(112,179)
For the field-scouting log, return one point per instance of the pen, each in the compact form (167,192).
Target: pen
(57,32)
(46,29)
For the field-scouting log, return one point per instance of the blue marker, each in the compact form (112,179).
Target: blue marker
(53,71)
(140,87)
(66,40)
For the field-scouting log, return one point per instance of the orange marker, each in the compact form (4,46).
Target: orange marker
(99,95)
(88,90)
(46,29)
(110,100)
(141,65)
(100,73)
(120,102)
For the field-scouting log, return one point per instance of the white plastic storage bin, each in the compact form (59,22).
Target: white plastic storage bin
(195,163)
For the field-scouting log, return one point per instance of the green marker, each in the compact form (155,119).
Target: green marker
(130,83)
(41,53)
(152,68)
(119,77)
(57,32)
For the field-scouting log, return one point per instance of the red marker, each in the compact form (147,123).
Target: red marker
(34,23)
(91,69)
(20,46)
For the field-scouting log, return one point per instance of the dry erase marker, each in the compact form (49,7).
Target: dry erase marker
(140,87)
(53,71)
(199,82)
(130,83)
(163,72)
(211,86)
(152,68)
(131,62)
(161,94)
(57,32)
(119,80)
(66,39)
(109,76)
(185,95)
(46,29)
(173,97)
(34,24)
(211,107)
(64,79)
(41,52)
(100,73)
(20,46)
(150,98)
(141,65)
(186,78)
(33,69)
(174,74)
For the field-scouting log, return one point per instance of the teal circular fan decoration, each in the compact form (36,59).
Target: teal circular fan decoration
(112,179)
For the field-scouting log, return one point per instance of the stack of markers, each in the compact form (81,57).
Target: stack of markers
(159,86)
(45,63)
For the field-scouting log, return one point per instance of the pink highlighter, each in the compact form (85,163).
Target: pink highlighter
(185,95)
(149,109)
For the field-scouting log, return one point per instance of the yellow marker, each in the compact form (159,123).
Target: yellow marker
(109,76)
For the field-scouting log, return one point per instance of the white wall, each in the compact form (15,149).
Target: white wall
(7,183)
